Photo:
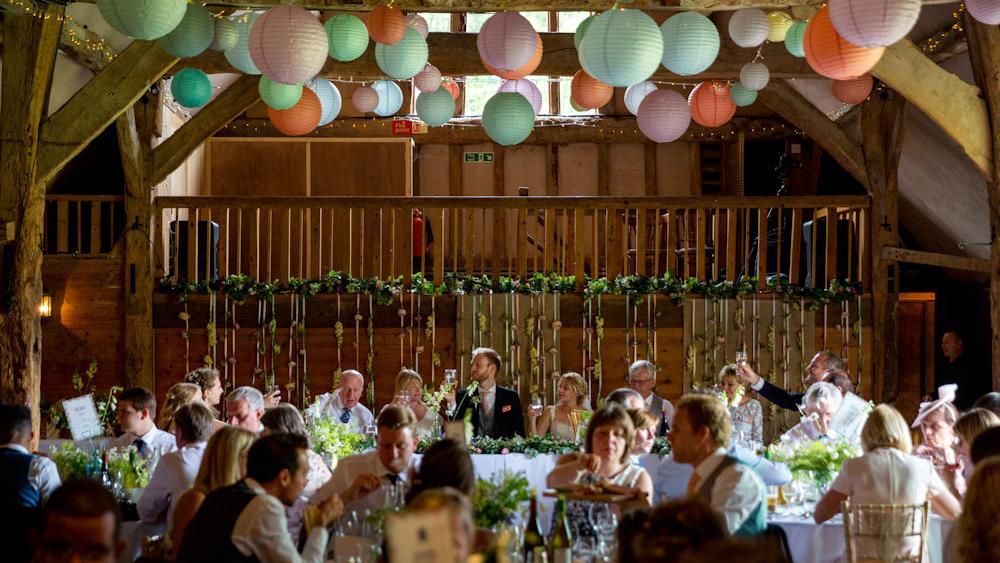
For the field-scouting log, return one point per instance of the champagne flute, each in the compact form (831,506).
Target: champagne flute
(536,405)
(450,377)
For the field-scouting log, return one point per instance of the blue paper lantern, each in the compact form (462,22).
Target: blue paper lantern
(621,47)
(742,96)
(794,39)
(690,43)
(239,55)
(329,98)
(143,19)
(278,95)
(390,96)
(405,58)
(191,88)
(347,36)
(435,108)
(226,35)
(508,118)
(192,36)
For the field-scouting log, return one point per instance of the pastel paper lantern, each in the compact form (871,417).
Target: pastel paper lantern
(192,36)
(874,23)
(143,19)
(435,108)
(301,118)
(778,24)
(428,79)
(794,38)
(749,27)
(527,89)
(742,96)
(576,106)
(452,87)
(365,99)
(387,25)
(524,70)
(664,116)
(831,55)
(288,44)
(507,41)
(239,54)
(590,92)
(390,97)
(347,37)
(227,34)
(278,95)
(711,104)
(581,30)
(191,87)
(508,118)
(755,76)
(984,11)
(690,43)
(403,59)
(621,47)
(635,93)
(417,22)
(329,99)
(853,91)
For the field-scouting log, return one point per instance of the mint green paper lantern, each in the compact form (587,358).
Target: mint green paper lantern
(226,35)
(192,36)
(621,47)
(580,31)
(742,96)
(278,95)
(390,98)
(690,43)
(508,118)
(405,58)
(794,38)
(347,36)
(239,55)
(435,108)
(143,19)
(191,87)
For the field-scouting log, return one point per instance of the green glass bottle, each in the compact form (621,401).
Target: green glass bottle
(561,541)
(534,541)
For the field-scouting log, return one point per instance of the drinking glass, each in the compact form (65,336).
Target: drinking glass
(402,398)
(741,357)
(536,405)
(450,376)
(604,520)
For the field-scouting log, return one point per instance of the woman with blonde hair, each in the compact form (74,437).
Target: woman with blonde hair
(562,419)
(210,382)
(410,393)
(747,415)
(978,528)
(645,424)
(178,395)
(967,427)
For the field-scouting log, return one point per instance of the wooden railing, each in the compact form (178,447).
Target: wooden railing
(706,238)
(83,225)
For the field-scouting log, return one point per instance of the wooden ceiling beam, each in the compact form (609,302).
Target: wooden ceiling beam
(936,259)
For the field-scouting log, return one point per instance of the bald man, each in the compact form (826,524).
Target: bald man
(344,404)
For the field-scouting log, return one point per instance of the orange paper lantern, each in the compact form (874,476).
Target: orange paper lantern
(299,119)
(831,55)
(855,90)
(589,92)
(451,86)
(711,104)
(525,70)
(386,25)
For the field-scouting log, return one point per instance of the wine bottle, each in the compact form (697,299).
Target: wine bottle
(561,542)
(534,542)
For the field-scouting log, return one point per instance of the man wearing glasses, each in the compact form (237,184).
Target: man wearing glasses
(642,378)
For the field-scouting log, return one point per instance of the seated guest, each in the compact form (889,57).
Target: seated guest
(970,425)
(82,522)
(820,404)
(462,531)
(135,412)
(840,379)
(358,478)
(244,408)
(445,463)
(344,404)
(986,445)
(223,463)
(210,383)
(669,531)
(410,384)
(561,420)
(936,420)
(886,473)
(700,437)
(645,424)
(821,363)
(497,411)
(625,398)
(246,520)
(990,402)
(642,379)
(26,479)
(176,471)
(746,414)
(977,527)
(178,395)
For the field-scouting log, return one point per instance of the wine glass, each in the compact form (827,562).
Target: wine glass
(536,405)
(402,398)
(741,357)
(450,375)
(604,521)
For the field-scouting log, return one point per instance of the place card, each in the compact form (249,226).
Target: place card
(419,537)
(81,414)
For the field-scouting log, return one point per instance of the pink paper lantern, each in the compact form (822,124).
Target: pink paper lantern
(288,44)
(527,89)
(417,22)
(365,99)
(507,41)
(855,90)
(664,116)
(711,104)
(428,79)
(984,11)
(874,23)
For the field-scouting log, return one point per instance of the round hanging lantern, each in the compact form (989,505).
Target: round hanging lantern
(663,116)
(428,79)
(754,76)
(403,59)
(874,23)
(278,95)
(417,22)
(527,89)
(390,97)
(329,99)
(831,55)
(507,41)
(143,19)
(386,25)
(635,93)
(435,108)
(508,118)
(288,44)
(301,118)
(742,96)
(192,36)
(580,30)
(191,88)
(590,92)
(621,47)
(855,90)
(749,27)
(239,54)
(690,43)
(227,34)
(365,99)
(524,70)
(984,11)
(794,37)
(576,107)
(778,24)
(451,86)
(347,36)
(711,104)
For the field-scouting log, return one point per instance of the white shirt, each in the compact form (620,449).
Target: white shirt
(348,469)
(737,491)
(330,405)
(155,439)
(261,531)
(42,472)
(174,475)
(888,476)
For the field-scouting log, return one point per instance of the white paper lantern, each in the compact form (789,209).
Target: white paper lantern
(690,43)
(288,44)
(329,98)
(507,41)
(429,79)
(874,23)
(365,99)
(527,89)
(984,11)
(754,76)
(239,54)
(636,93)
(417,22)
(749,27)
(390,97)
(664,116)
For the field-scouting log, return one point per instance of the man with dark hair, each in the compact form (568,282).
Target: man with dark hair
(823,362)
(136,412)
(26,479)
(496,410)
(82,522)
(246,521)
(961,369)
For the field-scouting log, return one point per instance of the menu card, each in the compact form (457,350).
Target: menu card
(81,414)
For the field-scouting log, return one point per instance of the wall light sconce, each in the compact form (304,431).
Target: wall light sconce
(45,307)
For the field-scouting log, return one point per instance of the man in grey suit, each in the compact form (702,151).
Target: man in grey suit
(642,378)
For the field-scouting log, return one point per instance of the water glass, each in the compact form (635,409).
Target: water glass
(450,375)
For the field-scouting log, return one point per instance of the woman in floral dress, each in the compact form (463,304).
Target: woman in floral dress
(747,415)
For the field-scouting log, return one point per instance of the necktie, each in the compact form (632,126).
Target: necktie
(692,484)
(346,416)
(392,477)
(483,404)
(140,446)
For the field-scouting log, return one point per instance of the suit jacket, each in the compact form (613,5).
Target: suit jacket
(780,397)
(664,411)
(508,419)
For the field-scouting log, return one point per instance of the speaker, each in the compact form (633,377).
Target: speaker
(817,271)
(208,245)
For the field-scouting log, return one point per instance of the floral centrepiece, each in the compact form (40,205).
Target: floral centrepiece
(822,457)
(333,439)
(499,497)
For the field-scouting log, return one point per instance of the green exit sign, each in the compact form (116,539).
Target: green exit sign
(478,157)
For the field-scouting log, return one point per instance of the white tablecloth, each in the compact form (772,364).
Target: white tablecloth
(824,543)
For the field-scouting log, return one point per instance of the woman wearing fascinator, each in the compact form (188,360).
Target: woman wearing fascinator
(936,420)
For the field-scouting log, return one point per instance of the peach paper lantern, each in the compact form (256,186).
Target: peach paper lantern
(525,70)
(386,25)
(299,119)
(451,86)
(831,55)
(855,90)
(711,104)
(589,92)
(288,44)
(507,41)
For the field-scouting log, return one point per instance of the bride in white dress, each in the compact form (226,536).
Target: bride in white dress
(561,420)
(410,393)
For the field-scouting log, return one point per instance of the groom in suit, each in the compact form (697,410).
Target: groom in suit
(497,410)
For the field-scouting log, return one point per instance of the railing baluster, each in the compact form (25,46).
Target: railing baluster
(95,228)
(716,248)
(761,248)
(578,245)
(813,228)
(795,246)
(224,238)
(701,239)
(732,244)
(62,226)
(192,245)
(831,245)
(670,251)
(640,241)
(522,242)
(208,245)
